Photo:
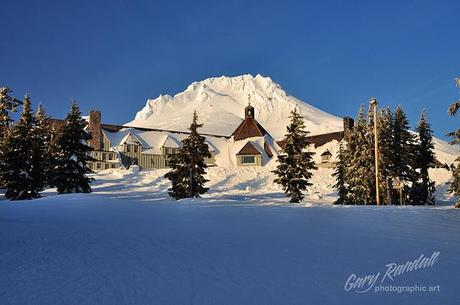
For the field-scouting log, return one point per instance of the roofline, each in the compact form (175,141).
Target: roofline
(115,128)
(172,131)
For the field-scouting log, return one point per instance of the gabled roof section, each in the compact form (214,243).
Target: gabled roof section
(170,142)
(247,129)
(130,138)
(248,149)
(326,153)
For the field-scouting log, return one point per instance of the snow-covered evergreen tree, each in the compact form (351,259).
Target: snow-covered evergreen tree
(44,145)
(21,168)
(296,164)
(7,104)
(385,153)
(454,187)
(189,166)
(340,178)
(360,160)
(403,149)
(69,174)
(423,189)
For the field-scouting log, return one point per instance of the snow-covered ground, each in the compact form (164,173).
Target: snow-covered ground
(248,184)
(128,243)
(92,249)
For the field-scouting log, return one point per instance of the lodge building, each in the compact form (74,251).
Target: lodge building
(249,145)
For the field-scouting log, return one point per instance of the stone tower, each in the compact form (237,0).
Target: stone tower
(95,129)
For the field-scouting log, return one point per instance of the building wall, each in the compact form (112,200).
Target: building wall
(132,154)
(103,160)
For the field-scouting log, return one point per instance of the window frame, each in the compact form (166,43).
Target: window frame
(244,159)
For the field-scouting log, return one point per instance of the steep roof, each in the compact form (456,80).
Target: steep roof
(326,153)
(248,149)
(319,140)
(267,149)
(130,138)
(170,142)
(247,129)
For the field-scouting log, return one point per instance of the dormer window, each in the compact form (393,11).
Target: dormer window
(326,156)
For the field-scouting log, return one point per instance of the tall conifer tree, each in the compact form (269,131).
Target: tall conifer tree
(70,174)
(423,189)
(21,169)
(340,178)
(295,166)
(403,146)
(385,155)
(360,161)
(403,151)
(8,104)
(43,135)
(189,165)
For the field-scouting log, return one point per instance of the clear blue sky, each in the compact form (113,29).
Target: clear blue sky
(113,55)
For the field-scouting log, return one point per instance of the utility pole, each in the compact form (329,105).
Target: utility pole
(376,150)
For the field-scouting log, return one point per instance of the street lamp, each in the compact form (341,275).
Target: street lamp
(374,104)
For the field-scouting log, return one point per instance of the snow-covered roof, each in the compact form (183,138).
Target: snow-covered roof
(170,142)
(131,139)
(153,140)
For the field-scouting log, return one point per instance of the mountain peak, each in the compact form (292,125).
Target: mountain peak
(220,102)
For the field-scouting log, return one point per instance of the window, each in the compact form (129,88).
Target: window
(99,165)
(110,156)
(103,156)
(135,148)
(107,166)
(248,159)
(128,148)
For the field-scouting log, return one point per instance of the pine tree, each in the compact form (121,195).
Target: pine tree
(20,171)
(340,177)
(385,154)
(403,149)
(423,189)
(189,166)
(45,146)
(295,166)
(454,187)
(7,104)
(72,155)
(360,160)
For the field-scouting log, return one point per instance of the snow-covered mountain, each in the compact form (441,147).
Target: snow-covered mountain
(220,102)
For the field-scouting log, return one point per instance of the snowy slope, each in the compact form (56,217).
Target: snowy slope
(236,184)
(220,104)
(87,249)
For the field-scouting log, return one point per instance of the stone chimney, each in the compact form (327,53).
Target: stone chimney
(95,129)
(348,123)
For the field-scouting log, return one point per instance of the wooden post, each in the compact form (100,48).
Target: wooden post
(389,187)
(376,151)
